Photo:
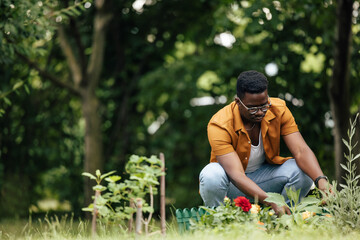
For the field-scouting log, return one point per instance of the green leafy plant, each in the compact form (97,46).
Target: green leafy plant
(344,204)
(122,199)
(221,217)
(304,211)
(310,203)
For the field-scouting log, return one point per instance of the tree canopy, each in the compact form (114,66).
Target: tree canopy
(86,83)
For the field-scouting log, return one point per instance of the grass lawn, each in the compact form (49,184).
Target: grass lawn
(65,228)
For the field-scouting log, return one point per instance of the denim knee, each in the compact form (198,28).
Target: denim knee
(213,176)
(213,184)
(294,172)
(297,178)
(307,183)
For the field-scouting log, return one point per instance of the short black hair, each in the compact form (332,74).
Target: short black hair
(251,82)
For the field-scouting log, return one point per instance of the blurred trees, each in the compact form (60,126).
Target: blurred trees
(168,66)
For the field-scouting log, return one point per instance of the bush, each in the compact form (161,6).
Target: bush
(344,205)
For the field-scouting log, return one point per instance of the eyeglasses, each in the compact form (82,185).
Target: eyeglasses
(254,110)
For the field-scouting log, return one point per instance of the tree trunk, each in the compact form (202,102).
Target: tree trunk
(93,141)
(85,76)
(85,81)
(339,85)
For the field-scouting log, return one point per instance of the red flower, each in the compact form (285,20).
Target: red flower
(243,202)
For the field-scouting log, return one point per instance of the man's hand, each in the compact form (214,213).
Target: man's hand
(280,210)
(326,189)
(325,186)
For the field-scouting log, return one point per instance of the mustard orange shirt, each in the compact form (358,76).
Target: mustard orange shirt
(226,132)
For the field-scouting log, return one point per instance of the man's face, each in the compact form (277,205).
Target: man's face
(251,101)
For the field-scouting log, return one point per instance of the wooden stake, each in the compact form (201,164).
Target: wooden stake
(162,197)
(95,212)
(147,221)
(131,220)
(139,217)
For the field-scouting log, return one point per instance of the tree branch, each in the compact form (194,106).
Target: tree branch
(74,66)
(80,46)
(49,76)
(95,66)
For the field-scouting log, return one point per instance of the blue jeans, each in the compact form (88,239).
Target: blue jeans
(215,184)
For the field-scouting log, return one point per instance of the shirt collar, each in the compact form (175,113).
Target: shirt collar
(238,124)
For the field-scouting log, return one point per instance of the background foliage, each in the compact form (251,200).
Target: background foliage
(160,57)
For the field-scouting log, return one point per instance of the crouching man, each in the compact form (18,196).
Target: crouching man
(245,147)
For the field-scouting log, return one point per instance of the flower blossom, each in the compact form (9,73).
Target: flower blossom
(255,208)
(307,214)
(243,202)
(260,223)
(227,200)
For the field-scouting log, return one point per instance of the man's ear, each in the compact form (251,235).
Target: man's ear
(237,100)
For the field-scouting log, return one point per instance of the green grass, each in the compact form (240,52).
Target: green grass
(66,228)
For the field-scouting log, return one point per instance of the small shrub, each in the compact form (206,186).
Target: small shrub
(344,205)
(117,201)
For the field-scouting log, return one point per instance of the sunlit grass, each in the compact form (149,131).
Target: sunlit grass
(67,228)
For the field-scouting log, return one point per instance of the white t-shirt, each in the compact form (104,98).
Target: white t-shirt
(257,156)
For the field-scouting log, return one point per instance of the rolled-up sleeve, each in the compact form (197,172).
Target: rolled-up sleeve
(219,139)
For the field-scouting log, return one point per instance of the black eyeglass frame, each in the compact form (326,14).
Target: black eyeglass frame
(254,110)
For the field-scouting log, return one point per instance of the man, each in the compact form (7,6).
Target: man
(245,147)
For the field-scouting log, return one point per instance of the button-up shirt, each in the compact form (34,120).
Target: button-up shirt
(226,132)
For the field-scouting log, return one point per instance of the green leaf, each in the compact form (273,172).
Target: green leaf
(89,175)
(98,173)
(87,209)
(100,201)
(293,195)
(344,167)
(129,210)
(27,89)
(276,198)
(99,188)
(90,208)
(346,143)
(343,186)
(311,200)
(356,157)
(107,174)
(154,160)
(18,85)
(314,209)
(286,220)
(298,218)
(148,209)
(7,101)
(113,178)
(306,202)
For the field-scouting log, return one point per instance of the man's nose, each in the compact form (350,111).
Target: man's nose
(259,113)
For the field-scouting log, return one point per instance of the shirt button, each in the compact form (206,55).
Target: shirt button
(245,158)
